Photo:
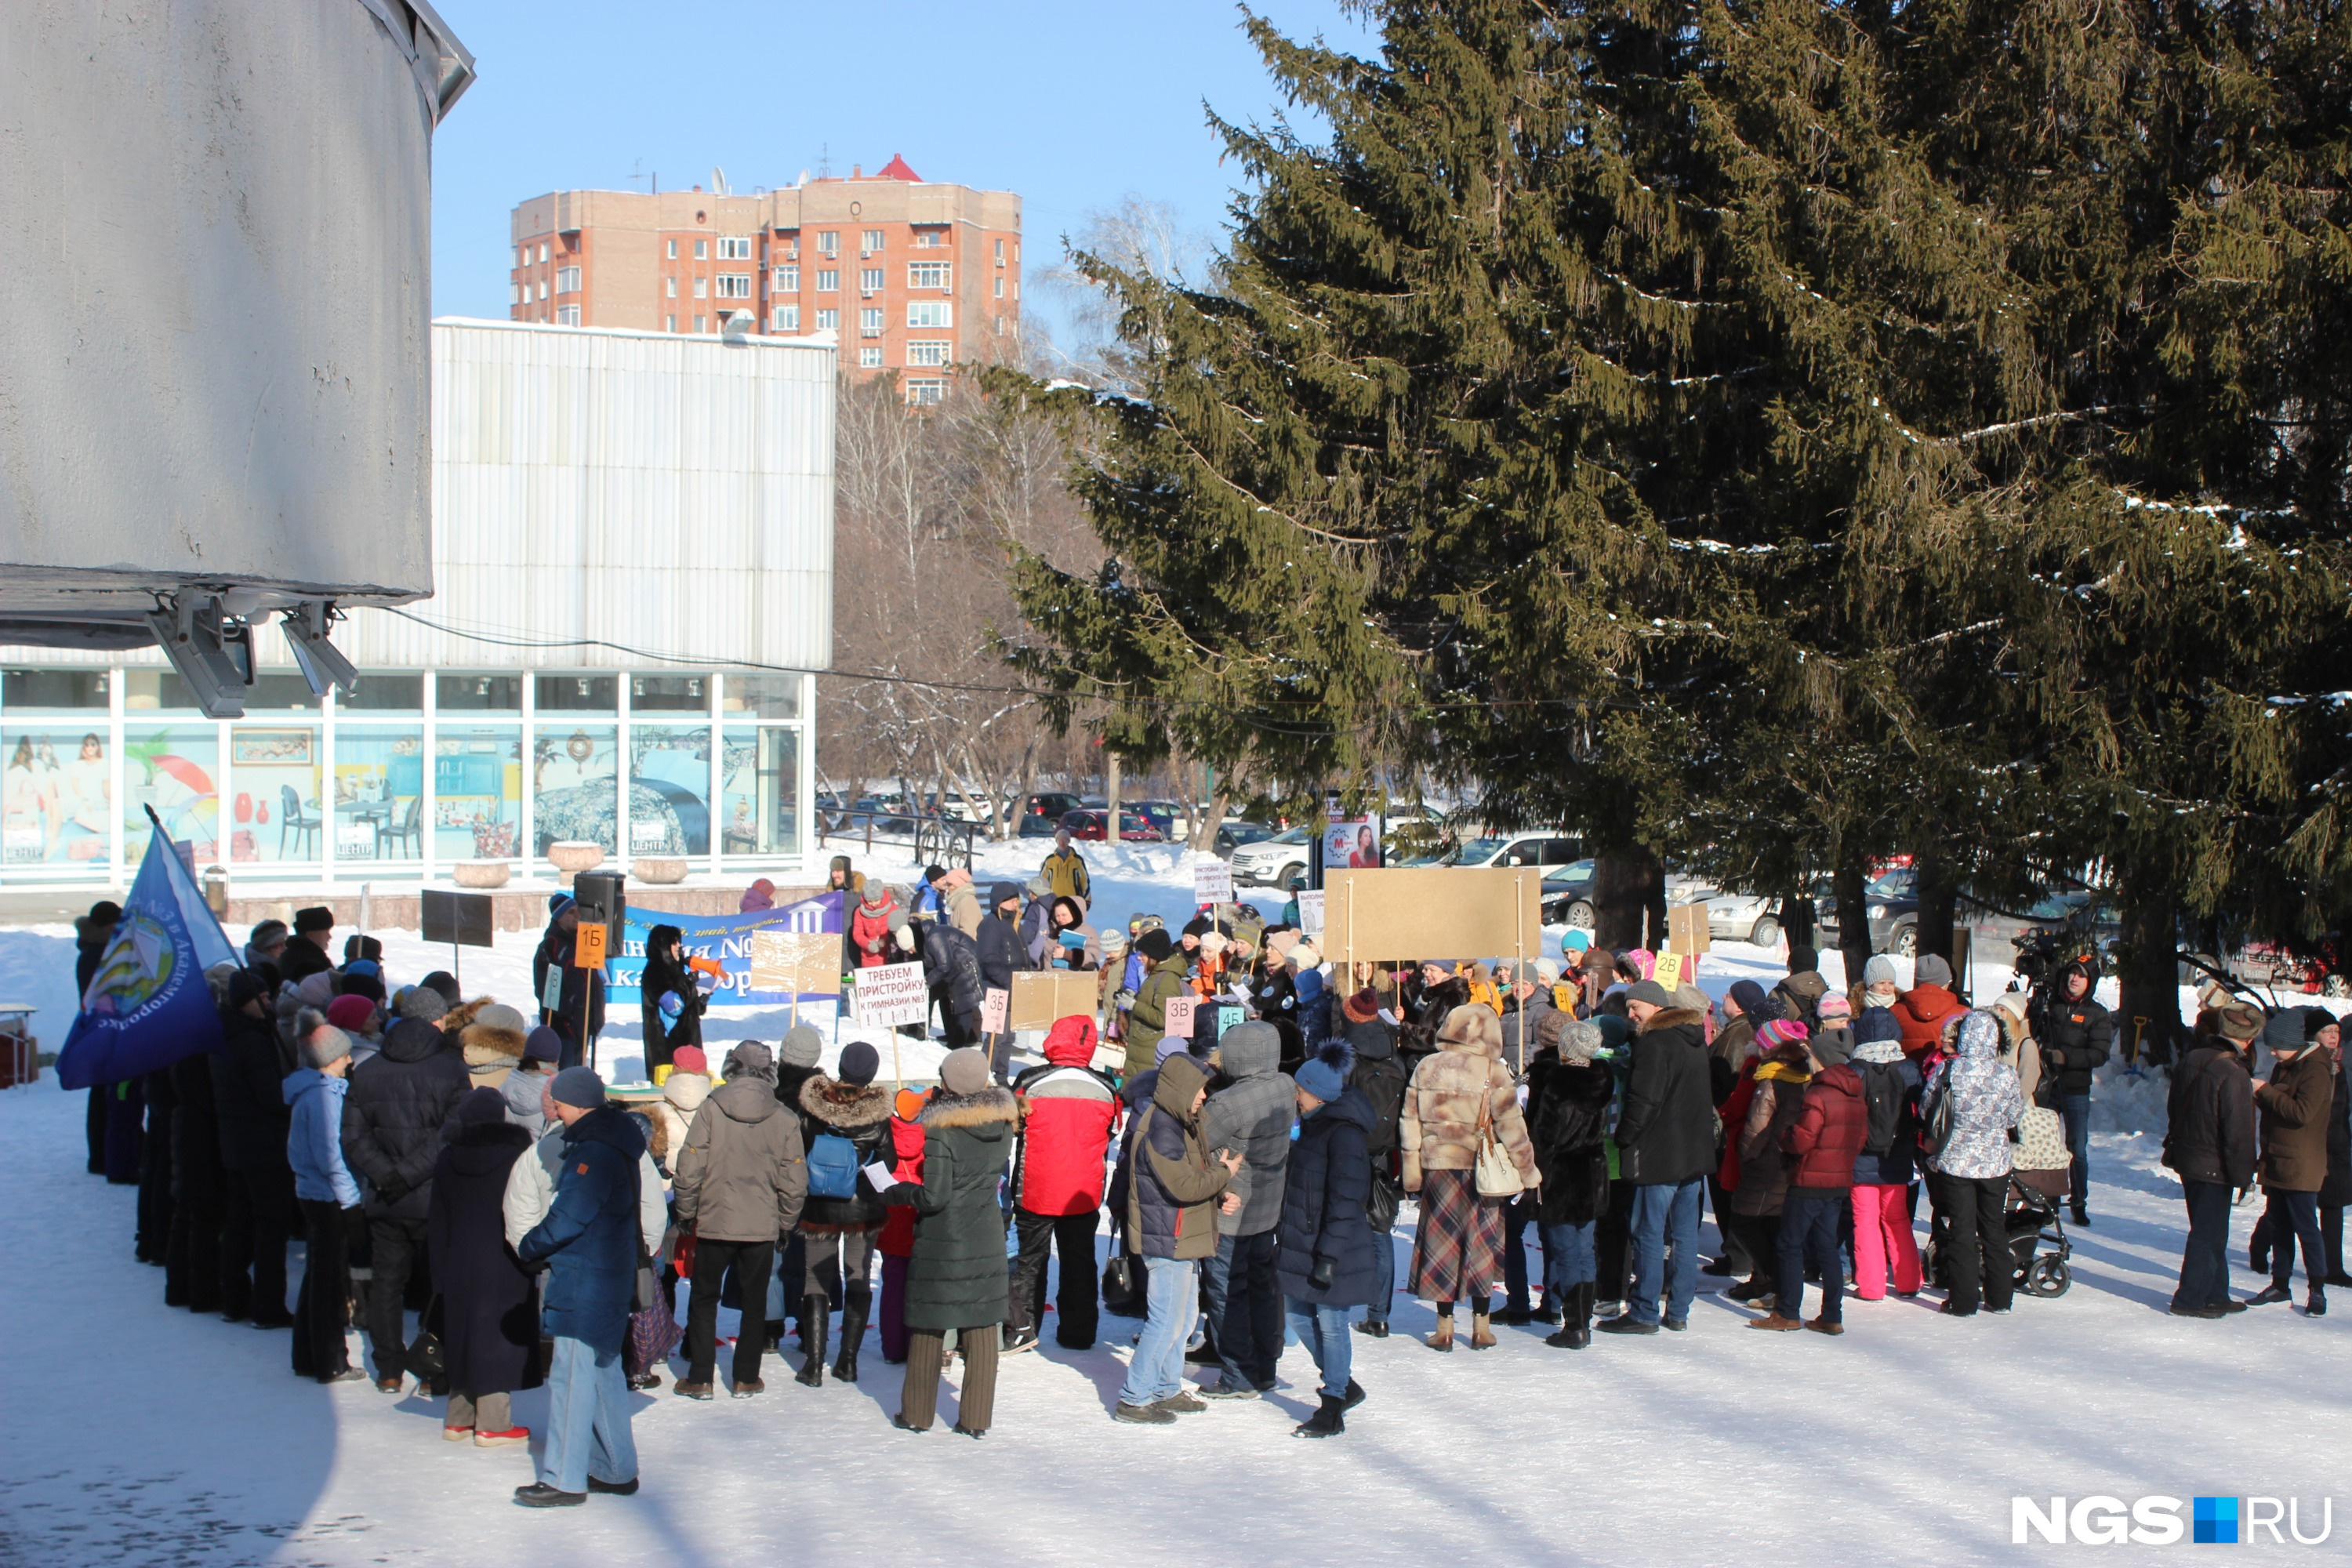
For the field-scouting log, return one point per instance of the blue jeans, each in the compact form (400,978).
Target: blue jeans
(1665,1241)
(1517,1215)
(1172,1294)
(2076,1110)
(1324,1332)
(587,1419)
(1568,1259)
(1383,1277)
(1808,1234)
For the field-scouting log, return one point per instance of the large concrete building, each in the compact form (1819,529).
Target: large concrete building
(913,276)
(632,569)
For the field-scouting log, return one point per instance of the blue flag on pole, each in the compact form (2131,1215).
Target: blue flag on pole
(148,1005)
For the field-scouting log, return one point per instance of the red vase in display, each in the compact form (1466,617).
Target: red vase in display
(244,806)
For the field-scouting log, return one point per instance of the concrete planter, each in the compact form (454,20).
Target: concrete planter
(659,869)
(571,856)
(480,873)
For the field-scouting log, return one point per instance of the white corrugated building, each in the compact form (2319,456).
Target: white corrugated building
(633,585)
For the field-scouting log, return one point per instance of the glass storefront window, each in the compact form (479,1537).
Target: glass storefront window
(379,794)
(384,691)
(275,693)
(156,692)
(669,693)
(574,778)
(70,690)
(759,791)
(54,804)
(669,789)
(578,693)
(275,816)
(175,768)
(476,792)
(478,693)
(760,696)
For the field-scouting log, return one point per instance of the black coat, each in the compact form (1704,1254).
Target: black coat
(663,1037)
(2075,1038)
(247,1096)
(393,1113)
(1001,953)
(1325,1188)
(2209,1128)
(2336,1189)
(955,1276)
(489,1332)
(861,1114)
(582,989)
(952,963)
(1381,1077)
(1568,1122)
(195,1133)
(1667,1131)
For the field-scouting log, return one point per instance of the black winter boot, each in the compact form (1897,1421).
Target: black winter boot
(813,1326)
(1328,1421)
(1576,1332)
(852,1333)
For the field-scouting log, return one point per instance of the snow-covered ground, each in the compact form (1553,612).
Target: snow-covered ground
(136,1435)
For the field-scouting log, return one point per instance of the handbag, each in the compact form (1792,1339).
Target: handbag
(1381,1206)
(1939,1130)
(425,1358)
(1497,1174)
(1123,1290)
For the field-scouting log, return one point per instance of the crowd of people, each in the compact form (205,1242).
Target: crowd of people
(453,1163)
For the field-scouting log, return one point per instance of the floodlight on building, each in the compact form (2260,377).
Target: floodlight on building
(322,663)
(213,652)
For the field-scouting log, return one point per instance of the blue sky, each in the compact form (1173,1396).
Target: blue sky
(1074,106)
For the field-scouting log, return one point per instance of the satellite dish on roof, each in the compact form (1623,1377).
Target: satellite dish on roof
(718,179)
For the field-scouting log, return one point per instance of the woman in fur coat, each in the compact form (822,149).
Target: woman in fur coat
(1457,1251)
(837,1234)
(955,1277)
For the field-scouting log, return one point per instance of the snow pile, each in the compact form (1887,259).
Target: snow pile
(2129,1099)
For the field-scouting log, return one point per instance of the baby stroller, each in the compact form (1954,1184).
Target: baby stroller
(2037,1188)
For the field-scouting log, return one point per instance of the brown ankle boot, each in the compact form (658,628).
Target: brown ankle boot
(1442,1340)
(1482,1332)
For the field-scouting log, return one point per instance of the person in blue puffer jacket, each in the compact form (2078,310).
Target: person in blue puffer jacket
(329,1196)
(1327,1259)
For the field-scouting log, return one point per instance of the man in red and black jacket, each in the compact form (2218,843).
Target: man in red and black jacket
(2076,1033)
(1067,1112)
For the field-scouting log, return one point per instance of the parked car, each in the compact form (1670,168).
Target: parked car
(1093,826)
(1053,804)
(1273,862)
(1891,906)
(1547,849)
(1568,896)
(1166,816)
(1739,917)
(1236,831)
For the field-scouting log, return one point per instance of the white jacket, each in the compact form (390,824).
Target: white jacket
(530,1193)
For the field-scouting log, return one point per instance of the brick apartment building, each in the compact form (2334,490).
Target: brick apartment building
(913,276)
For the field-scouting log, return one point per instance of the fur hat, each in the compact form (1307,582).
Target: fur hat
(749,1058)
(1324,1074)
(964,1071)
(2239,1022)
(318,917)
(802,1047)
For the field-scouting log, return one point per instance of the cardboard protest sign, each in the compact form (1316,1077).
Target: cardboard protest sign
(1040,997)
(806,963)
(993,1004)
(1406,913)
(1669,972)
(1686,928)
(893,994)
(588,947)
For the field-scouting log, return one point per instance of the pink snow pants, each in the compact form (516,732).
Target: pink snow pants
(1882,1241)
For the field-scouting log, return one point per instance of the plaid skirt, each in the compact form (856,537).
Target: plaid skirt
(1457,1249)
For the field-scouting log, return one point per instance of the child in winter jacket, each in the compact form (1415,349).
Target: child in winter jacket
(1067,1112)
(897,1242)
